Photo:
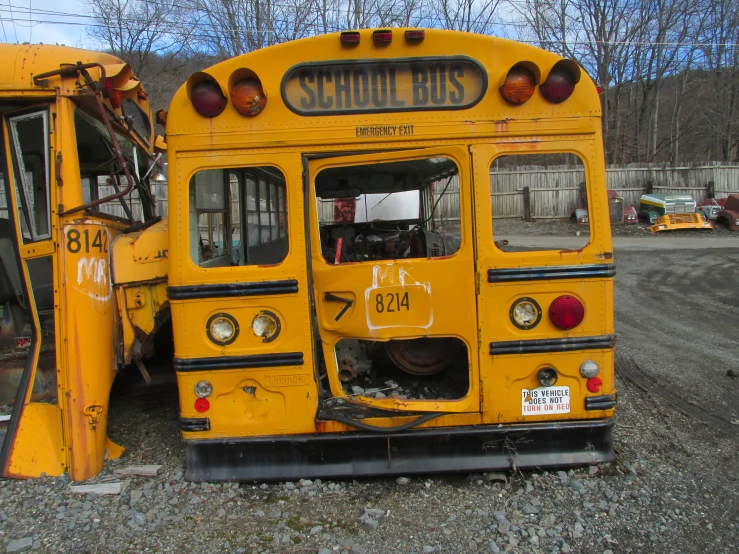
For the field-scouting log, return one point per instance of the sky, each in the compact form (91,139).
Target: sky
(51,22)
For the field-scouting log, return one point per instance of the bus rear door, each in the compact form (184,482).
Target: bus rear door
(393,285)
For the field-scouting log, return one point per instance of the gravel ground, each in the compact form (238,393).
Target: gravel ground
(673,487)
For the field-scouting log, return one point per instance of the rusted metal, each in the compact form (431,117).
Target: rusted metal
(59,181)
(143,371)
(425,356)
(347,371)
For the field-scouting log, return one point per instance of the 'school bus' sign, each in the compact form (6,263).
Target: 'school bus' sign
(377,86)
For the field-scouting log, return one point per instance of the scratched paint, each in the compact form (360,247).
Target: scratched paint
(396,300)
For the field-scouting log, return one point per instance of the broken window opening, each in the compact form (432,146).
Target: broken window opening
(389,211)
(410,369)
(220,199)
(539,202)
(29,134)
(101,173)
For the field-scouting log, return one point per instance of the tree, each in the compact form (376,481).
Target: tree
(144,33)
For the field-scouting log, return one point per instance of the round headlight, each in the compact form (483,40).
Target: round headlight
(222,329)
(589,369)
(203,389)
(266,326)
(547,376)
(525,313)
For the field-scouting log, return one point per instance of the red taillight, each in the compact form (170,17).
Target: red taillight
(202,405)
(349,37)
(560,84)
(382,37)
(566,312)
(115,96)
(415,36)
(207,98)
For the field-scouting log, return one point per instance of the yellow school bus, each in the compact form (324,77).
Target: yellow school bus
(328,319)
(83,256)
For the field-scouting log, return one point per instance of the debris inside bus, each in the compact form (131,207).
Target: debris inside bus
(413,369)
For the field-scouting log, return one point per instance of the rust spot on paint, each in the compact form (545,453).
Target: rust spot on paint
(500,126)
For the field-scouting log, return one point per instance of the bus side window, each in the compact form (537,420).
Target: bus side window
(557,217)
(30,149)
(220,199)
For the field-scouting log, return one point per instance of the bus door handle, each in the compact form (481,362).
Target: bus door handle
(331,297)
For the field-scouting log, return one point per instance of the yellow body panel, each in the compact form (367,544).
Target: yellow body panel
(139,266)
(39,447)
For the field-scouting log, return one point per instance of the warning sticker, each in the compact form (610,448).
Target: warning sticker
(545,400)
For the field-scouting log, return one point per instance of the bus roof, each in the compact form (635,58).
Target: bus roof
(20,62)
(285,69)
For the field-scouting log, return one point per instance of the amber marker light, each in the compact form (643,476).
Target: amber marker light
(519,85)
(248,98)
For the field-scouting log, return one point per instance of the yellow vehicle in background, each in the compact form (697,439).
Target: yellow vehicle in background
(326,321)
(83,256)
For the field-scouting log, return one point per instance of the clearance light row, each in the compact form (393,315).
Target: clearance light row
(566,312)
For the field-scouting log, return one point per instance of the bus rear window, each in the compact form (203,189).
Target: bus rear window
(539,202)
(238,216)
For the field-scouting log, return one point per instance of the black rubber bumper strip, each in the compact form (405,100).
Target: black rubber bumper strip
(278,359)
(539,346)
(228,290)
(605,402)
(466,449)
(194,424)
(592,271)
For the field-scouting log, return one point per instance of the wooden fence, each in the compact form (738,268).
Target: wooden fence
(555,193)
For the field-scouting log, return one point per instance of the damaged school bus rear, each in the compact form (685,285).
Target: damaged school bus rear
(83,256)
(327,320)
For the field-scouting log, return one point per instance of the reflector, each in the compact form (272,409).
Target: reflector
(202,405)
(594,384)
(207,99)
(566,312)
(519,85)
(248,97)
(560,84)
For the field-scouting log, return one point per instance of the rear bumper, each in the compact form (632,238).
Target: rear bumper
(418,451)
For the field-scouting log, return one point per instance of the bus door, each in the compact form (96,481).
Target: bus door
(393,282)
(545,301)
(30,416)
